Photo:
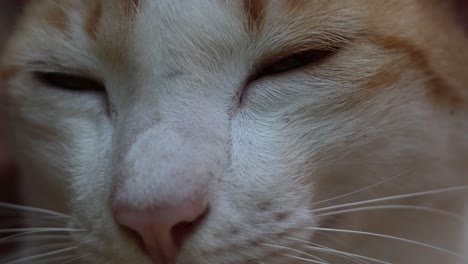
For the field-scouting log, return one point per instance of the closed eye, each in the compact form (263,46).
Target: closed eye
(286,65)
(296,61)
(70,82)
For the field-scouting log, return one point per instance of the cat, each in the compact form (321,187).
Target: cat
(210,132)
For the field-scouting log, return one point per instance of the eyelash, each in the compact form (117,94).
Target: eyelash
(70,82)
(294,62)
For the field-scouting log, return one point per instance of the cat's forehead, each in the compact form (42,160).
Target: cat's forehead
(114,27)
(83,34)
(252,14)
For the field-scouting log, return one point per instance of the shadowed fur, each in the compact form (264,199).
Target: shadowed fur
(357,156)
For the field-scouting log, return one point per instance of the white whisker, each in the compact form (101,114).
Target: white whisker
(337,253)
(53,253)
(32,209)
(75,259)
(12,219)
(40,229)
(318,260)
(388,237)
(28,237)
(353,256)
(34,251)
(63,259)
(46,247)
(304,259)
(396,197)
(363,189)
(385,207)
(55,260)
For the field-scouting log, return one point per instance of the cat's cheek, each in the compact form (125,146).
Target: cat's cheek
(28,97)
(62,130)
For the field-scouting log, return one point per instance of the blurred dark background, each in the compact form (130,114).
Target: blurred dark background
(9,10)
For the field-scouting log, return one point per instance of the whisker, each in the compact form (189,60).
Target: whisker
(31,222)
(40,229)
(388,237)
(55,260)
(75,259)
(46,247)
(32,209)
(339,252)
(3,239)
(26,237)
(384,207)
(363,189)
(304,259)
(318,260)
(396,197)
(37,218)
(53,253)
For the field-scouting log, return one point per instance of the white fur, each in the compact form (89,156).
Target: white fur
(292,142)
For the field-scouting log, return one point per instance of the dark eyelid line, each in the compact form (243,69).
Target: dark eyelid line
(330,41)
(256,73)
(43,69)
(52,66)
(319,41)
(67,81)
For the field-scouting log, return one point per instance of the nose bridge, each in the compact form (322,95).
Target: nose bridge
(162,188)
(170,142)
(162,167)
(167,156)
(178,109)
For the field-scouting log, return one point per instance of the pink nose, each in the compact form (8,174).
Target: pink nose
(163,229)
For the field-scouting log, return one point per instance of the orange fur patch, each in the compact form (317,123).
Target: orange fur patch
(368,89)
(294,5)
(438,90)
(57,18)
(126,12)
(117,21)
(254,14)
(92,22)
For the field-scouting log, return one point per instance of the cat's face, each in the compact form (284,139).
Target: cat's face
(214,129)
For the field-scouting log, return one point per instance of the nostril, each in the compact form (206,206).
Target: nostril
(161,231)
(134,236)
(181,231)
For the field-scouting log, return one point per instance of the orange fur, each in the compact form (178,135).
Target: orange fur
(169,130)
(94,16)
(254,14)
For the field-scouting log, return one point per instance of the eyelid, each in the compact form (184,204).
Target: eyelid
(67,81)
(258,71)
(263,70)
